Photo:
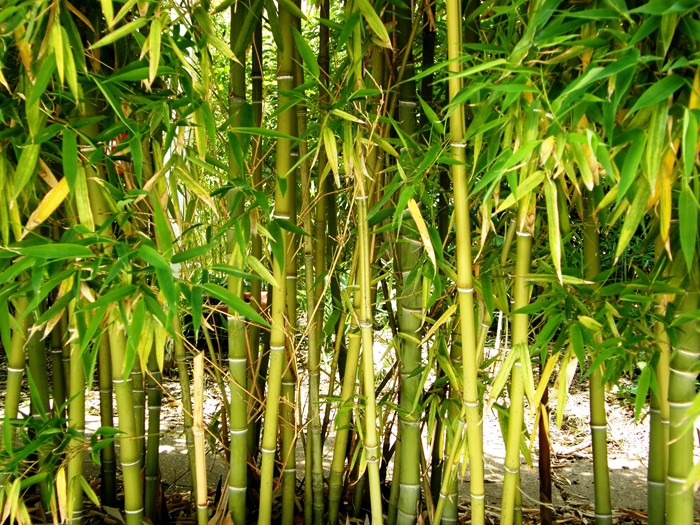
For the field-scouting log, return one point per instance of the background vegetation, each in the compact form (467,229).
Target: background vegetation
(273,187)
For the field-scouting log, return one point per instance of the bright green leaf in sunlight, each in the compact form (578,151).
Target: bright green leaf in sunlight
(375,23)
(236,303)
(307,54)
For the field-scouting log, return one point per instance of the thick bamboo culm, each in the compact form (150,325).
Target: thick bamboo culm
(198,433)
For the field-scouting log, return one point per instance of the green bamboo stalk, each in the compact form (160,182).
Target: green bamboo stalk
(410,307)
(237,343)
(599,426)
(278,359)
(108,460)
(15,372)
(256,385)
(314,315)
(465,286)
(139,408)
(198,433)
(129,439)
(58,384)
(681,393)
(76,420)
(659,415)
(153,495)
(343,419)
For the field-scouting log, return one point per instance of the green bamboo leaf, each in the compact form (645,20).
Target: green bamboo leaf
(525,187)
(114,101)
(154,40)
(331,153)
(162,228)
(25,168)
(307,54)
(55,251)
(662,90)
(121,32)
(633,157)
(640,397)
(262,271)
(191,253)
(5,331)
(432,116)
(635,213)
(576,342)
(375,23)
(502,377)
(41,82)
(550,193)
(291,227)
(422,230)
(690,142)
(69,156)
(152,257)
(238,304)
(114,295)
(688,224)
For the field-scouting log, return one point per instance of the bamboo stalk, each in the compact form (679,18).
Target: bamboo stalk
(198,433)
(598,417)
(465,286)
(153,495)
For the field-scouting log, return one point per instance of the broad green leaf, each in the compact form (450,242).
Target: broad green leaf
(162,228)
(628,173)
(55,251)
(554,231)
(41,82)
(114,295)
(154,39)
(640,397)
(25,168)
(307,55)
(82,200)
(191,253)
(375,23)
(483,66)
(529,184)
(69,156)
(432,117)
(688,224)
(152,257)
(690,142)
(635,213)
(52,200)
(108,12)
(120,32)
(331,153)
(661,90)
(262,271)
(236,303)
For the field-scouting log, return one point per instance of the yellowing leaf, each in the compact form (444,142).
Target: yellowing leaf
(48,205)
(331,153)
(423,230)
(154,38)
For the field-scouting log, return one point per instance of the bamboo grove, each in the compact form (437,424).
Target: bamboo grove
(331,212)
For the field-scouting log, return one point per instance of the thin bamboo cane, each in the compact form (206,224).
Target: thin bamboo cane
(108,460)
(76,419)
(198,433)
(598,417)
(410,308)
(130,451)
(237,342)
(681,393)
(153,495)
(278,337)
(139,407)
(465,286)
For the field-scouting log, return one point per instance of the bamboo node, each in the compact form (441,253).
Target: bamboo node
(267,450)
(231,488)
(15,370)
(465,290)
(280,216)
(458,144)
(509,470)
(476,496)
(134,512)
(276,348)
(684,373)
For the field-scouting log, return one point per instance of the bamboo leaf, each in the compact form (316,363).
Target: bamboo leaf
(375,23)
(262,271)
(483,66)
(690,142)
(432,117)
(422,230)
(688,224)
(331,153)
(446,316)
(114,295)
(41,82)
(55,251)
(154,41)
(120,32)
(502,377)
(550,193)
(191,253)
(307,55)
(25,168)
(640,397)
(635,213)
(526,186)
(69,156)
(661,90)
(152,257)
(633,157)
(236,303)
(51,201)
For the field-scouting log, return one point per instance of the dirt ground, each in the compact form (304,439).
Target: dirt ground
(571,464)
